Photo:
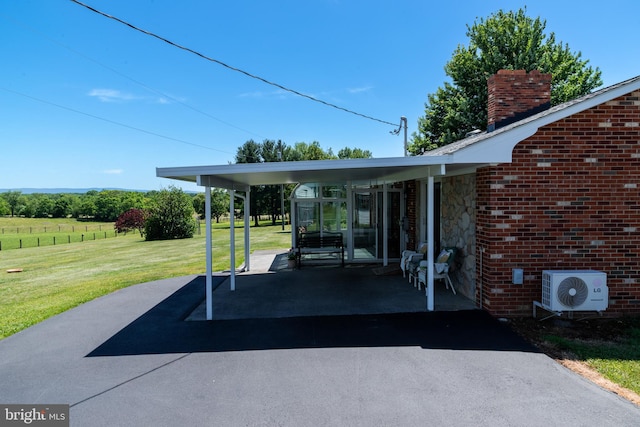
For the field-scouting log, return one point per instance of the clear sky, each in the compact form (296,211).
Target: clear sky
(88,102)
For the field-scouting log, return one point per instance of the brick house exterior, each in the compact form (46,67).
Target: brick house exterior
(569,199)
(543,188)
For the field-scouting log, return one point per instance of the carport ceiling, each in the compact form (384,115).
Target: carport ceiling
(366,171)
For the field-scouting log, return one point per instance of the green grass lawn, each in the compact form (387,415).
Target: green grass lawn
(617,359)
(20,232)
(57,278)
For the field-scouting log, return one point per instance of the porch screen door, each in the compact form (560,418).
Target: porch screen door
(364,225)
(368,232)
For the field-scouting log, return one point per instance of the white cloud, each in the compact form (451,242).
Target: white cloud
(113,171)
(111,95)
(360,89)
(114,95)
(279,94)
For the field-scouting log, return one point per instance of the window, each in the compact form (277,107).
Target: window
(320,207)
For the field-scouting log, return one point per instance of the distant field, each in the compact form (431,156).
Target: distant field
(16,233)
(57,278)
(19,225)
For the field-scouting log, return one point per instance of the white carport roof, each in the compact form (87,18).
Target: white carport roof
(365,171)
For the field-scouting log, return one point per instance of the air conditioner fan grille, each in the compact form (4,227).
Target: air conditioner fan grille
(572,292)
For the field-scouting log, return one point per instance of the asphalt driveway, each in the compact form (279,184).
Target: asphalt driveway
(130,358)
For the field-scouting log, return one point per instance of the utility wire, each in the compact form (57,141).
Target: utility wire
(253,76)
(113,121)
(150,89)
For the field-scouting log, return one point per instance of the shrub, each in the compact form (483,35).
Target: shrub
(171,216)
(133,219)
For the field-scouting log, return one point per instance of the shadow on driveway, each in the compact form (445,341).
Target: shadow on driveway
(163,330)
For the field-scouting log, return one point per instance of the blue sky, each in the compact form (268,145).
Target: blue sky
(87,102)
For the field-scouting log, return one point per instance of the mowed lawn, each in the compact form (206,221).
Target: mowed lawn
(57,278)
(19,232)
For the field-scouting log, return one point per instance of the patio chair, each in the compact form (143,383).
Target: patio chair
(441,269)
(410,260)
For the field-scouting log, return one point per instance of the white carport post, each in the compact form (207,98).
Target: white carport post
(209,245)
(430,244)
(385,225)
(293,221)
(232,239)
(247,227)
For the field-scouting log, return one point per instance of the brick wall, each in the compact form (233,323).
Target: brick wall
(569,200)
(516,94)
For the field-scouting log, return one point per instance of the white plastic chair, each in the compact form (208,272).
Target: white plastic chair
(440,271)
(412,260)
(404,261)
(410,264)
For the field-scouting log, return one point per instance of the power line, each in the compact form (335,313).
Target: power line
(113,121)
(156,91)
(253,76)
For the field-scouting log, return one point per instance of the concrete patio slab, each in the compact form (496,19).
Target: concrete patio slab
(271,289)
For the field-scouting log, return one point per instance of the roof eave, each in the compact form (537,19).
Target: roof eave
(497,146)
(377,170)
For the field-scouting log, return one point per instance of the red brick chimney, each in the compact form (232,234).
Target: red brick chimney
(514,95)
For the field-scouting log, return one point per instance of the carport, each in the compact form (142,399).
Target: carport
(354,173)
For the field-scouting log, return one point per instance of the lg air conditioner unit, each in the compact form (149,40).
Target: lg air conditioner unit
(574,290)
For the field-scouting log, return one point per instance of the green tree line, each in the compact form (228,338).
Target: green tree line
(108,205)
(104,206)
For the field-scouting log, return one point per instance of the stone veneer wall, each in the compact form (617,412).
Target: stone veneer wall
(458,228)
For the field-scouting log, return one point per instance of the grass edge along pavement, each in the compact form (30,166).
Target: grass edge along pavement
(606,351)
(57,278)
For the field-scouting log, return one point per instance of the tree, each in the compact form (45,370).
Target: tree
(171,216)
(198,204)
(62,205)
(12,198)
(86,207)
(44,205)
(251,152)
(108,205)
(132,199)
(133,219)
(313,151)
(354,153)
(219,203)
(4,207)
(505,40)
